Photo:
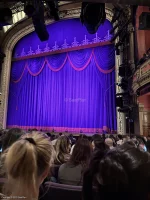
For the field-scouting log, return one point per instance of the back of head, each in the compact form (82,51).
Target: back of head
(62,148)
(10,137)
(99,143)
(125,170)
(81,136)
(60,134)
(26,164)
(49,134)
(81,153)
(120,137)
(109,142)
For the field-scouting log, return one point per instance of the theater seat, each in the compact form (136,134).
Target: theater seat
(54,171)
(60,191)
(2,181)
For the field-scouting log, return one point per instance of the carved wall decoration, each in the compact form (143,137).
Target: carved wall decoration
(141,76)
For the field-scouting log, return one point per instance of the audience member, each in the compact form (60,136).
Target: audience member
(93,170)
(72,139)
(10,137)
(120,140)
(98,143)
(62,149)
(126,138)
(27,163)
(49,135)
(60,134)
(109,143)
(114,139)
(123,175)
(71,173)
(141,144)
(121,172)
(80,137)
(54,139)
(148,143)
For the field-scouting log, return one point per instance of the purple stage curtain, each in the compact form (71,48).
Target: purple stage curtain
(73,91)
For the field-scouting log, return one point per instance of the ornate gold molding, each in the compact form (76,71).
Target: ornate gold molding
(141,76)
(14,34)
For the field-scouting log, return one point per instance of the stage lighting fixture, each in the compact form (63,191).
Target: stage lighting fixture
(117,50)
(123,94)
(122,71)
(29,9)
(53,9)
(120,30)
(40,29)
(36,11)
(119,102)
(92,16)
(122,38)
(124,110)
(117,14)
(5,16)
(123,84)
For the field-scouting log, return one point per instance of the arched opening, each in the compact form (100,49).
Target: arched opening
(49,85)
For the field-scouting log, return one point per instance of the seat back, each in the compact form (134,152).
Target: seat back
(60,191)
(2,182)
(54,171)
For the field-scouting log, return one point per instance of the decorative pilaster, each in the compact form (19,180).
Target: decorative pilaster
(146,123)
(141,108)
(121,121)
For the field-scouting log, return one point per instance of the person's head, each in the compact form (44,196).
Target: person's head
(60,134)
(126,138)
(141,139)
(98,143)
(70,136)
(140,144)
(81,153)
(81,136)
(123,173)
(49,134)
(125,169)
(109,142)
(103,136)
(120,137)
(62,148)
(27,163)
(10,137)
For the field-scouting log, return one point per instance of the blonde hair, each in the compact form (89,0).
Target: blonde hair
(25,162)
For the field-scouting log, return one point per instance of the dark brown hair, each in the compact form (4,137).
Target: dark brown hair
(81,153)
(11,136)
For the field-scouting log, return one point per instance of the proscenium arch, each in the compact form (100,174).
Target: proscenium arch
(14,34)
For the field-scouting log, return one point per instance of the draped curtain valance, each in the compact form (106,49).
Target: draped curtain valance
(78,60)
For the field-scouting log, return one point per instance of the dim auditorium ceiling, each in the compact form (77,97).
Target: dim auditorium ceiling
(17,7)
